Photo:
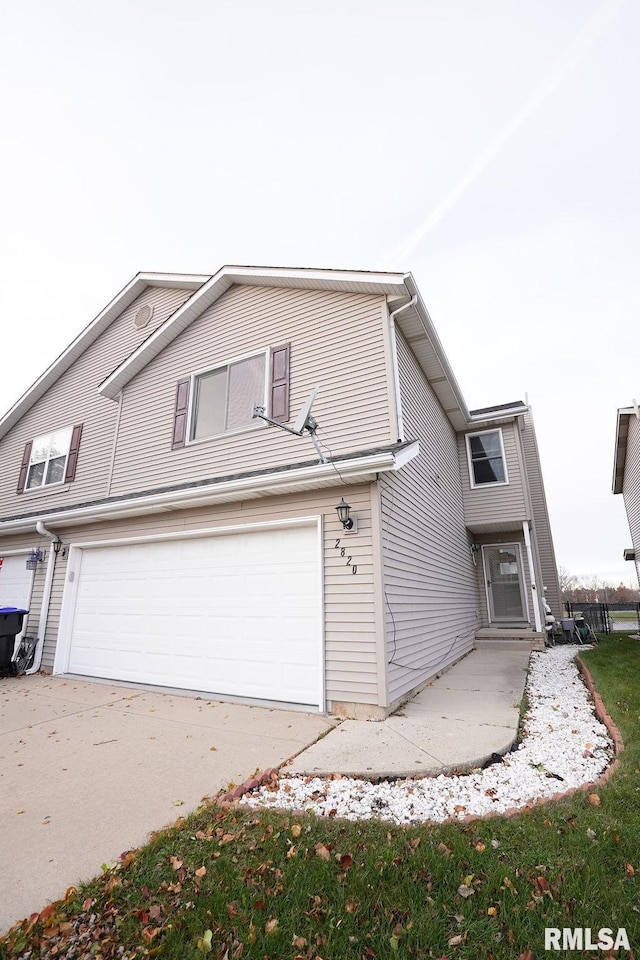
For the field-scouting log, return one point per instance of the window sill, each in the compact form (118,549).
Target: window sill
(224,436)
(48,491)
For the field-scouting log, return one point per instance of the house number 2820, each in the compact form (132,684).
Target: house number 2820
(343,553)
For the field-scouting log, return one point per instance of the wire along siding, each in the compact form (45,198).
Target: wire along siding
(431,606)
(74,399)
(336,344)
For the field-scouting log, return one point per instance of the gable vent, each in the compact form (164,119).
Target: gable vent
(143,315)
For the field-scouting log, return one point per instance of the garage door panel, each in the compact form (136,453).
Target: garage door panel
(236,614)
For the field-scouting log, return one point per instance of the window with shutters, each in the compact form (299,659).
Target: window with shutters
(222,399)
(50,458)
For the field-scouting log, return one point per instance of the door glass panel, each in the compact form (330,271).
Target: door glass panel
(502,570)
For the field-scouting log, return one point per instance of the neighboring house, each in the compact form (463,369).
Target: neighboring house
(626,474)
(199,547)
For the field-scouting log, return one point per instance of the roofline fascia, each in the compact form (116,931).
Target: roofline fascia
(432,334)
(510,412)
(91,332)
(262,485)
(211,291)
(620,450)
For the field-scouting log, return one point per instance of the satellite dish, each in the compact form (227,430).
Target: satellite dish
(305,414)
(304,422)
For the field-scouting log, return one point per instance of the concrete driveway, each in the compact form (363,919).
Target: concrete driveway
(87,770)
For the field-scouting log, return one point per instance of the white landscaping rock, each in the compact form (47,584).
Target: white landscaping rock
(563,745)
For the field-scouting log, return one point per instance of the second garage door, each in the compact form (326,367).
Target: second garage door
(235,614)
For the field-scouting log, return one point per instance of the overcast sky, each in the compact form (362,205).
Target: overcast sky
(490,148)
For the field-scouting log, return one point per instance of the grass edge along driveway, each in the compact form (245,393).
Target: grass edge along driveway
(229,883)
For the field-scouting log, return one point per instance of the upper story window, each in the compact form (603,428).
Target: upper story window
(485,452)
(221,400)
(50,458)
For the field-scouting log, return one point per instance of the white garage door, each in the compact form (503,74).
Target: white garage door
(236,614)
(15,583)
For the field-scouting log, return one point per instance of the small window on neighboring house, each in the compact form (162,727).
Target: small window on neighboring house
(50,458)
(223,399)
(486,458)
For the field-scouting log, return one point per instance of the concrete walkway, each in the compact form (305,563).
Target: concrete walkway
(87,770)
(457,722)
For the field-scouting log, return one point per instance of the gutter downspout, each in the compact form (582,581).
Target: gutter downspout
(46,596)
(532,574)
(394,360)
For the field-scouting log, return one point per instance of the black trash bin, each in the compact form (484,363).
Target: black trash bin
(11,620)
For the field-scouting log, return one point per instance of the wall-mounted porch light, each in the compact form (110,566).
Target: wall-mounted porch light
(344,516)
(475,550)
(34,558)
(57,545)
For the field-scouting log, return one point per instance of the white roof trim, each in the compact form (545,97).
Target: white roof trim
(91,333)
(620,454)
(227,276)
(355,470)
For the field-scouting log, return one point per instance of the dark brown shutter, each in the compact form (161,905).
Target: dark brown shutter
(180,415)
(72,459)
(24,469)
(280,382)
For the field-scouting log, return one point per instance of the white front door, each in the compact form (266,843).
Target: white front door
(504,580)
(233,614)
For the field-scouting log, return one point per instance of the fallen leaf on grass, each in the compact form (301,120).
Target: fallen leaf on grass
(322,851)
(594,800)
(629,870)
(176,862)
(204,943)
(296,830)
(201,871)
(271,925)
(465,891)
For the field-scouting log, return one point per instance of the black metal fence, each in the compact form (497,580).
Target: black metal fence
(608,617)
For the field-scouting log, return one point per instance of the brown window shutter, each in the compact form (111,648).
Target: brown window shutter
(280,375)
(180,415)
(72,459)
(24,469)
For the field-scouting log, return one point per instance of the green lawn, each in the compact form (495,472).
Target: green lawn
(231,884)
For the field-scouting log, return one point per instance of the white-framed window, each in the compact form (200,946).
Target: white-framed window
(487,462)
(223,398)
(48,459)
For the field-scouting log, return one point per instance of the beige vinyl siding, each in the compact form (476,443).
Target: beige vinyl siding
(336,344)
(349,607)
(74,399)
(496,539)
(495,503)
(631,486)
(431,606)
(541,524)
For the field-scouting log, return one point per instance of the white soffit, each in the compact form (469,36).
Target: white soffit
(359,469)
(620,457)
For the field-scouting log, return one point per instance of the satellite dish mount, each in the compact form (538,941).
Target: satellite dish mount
(304,421)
